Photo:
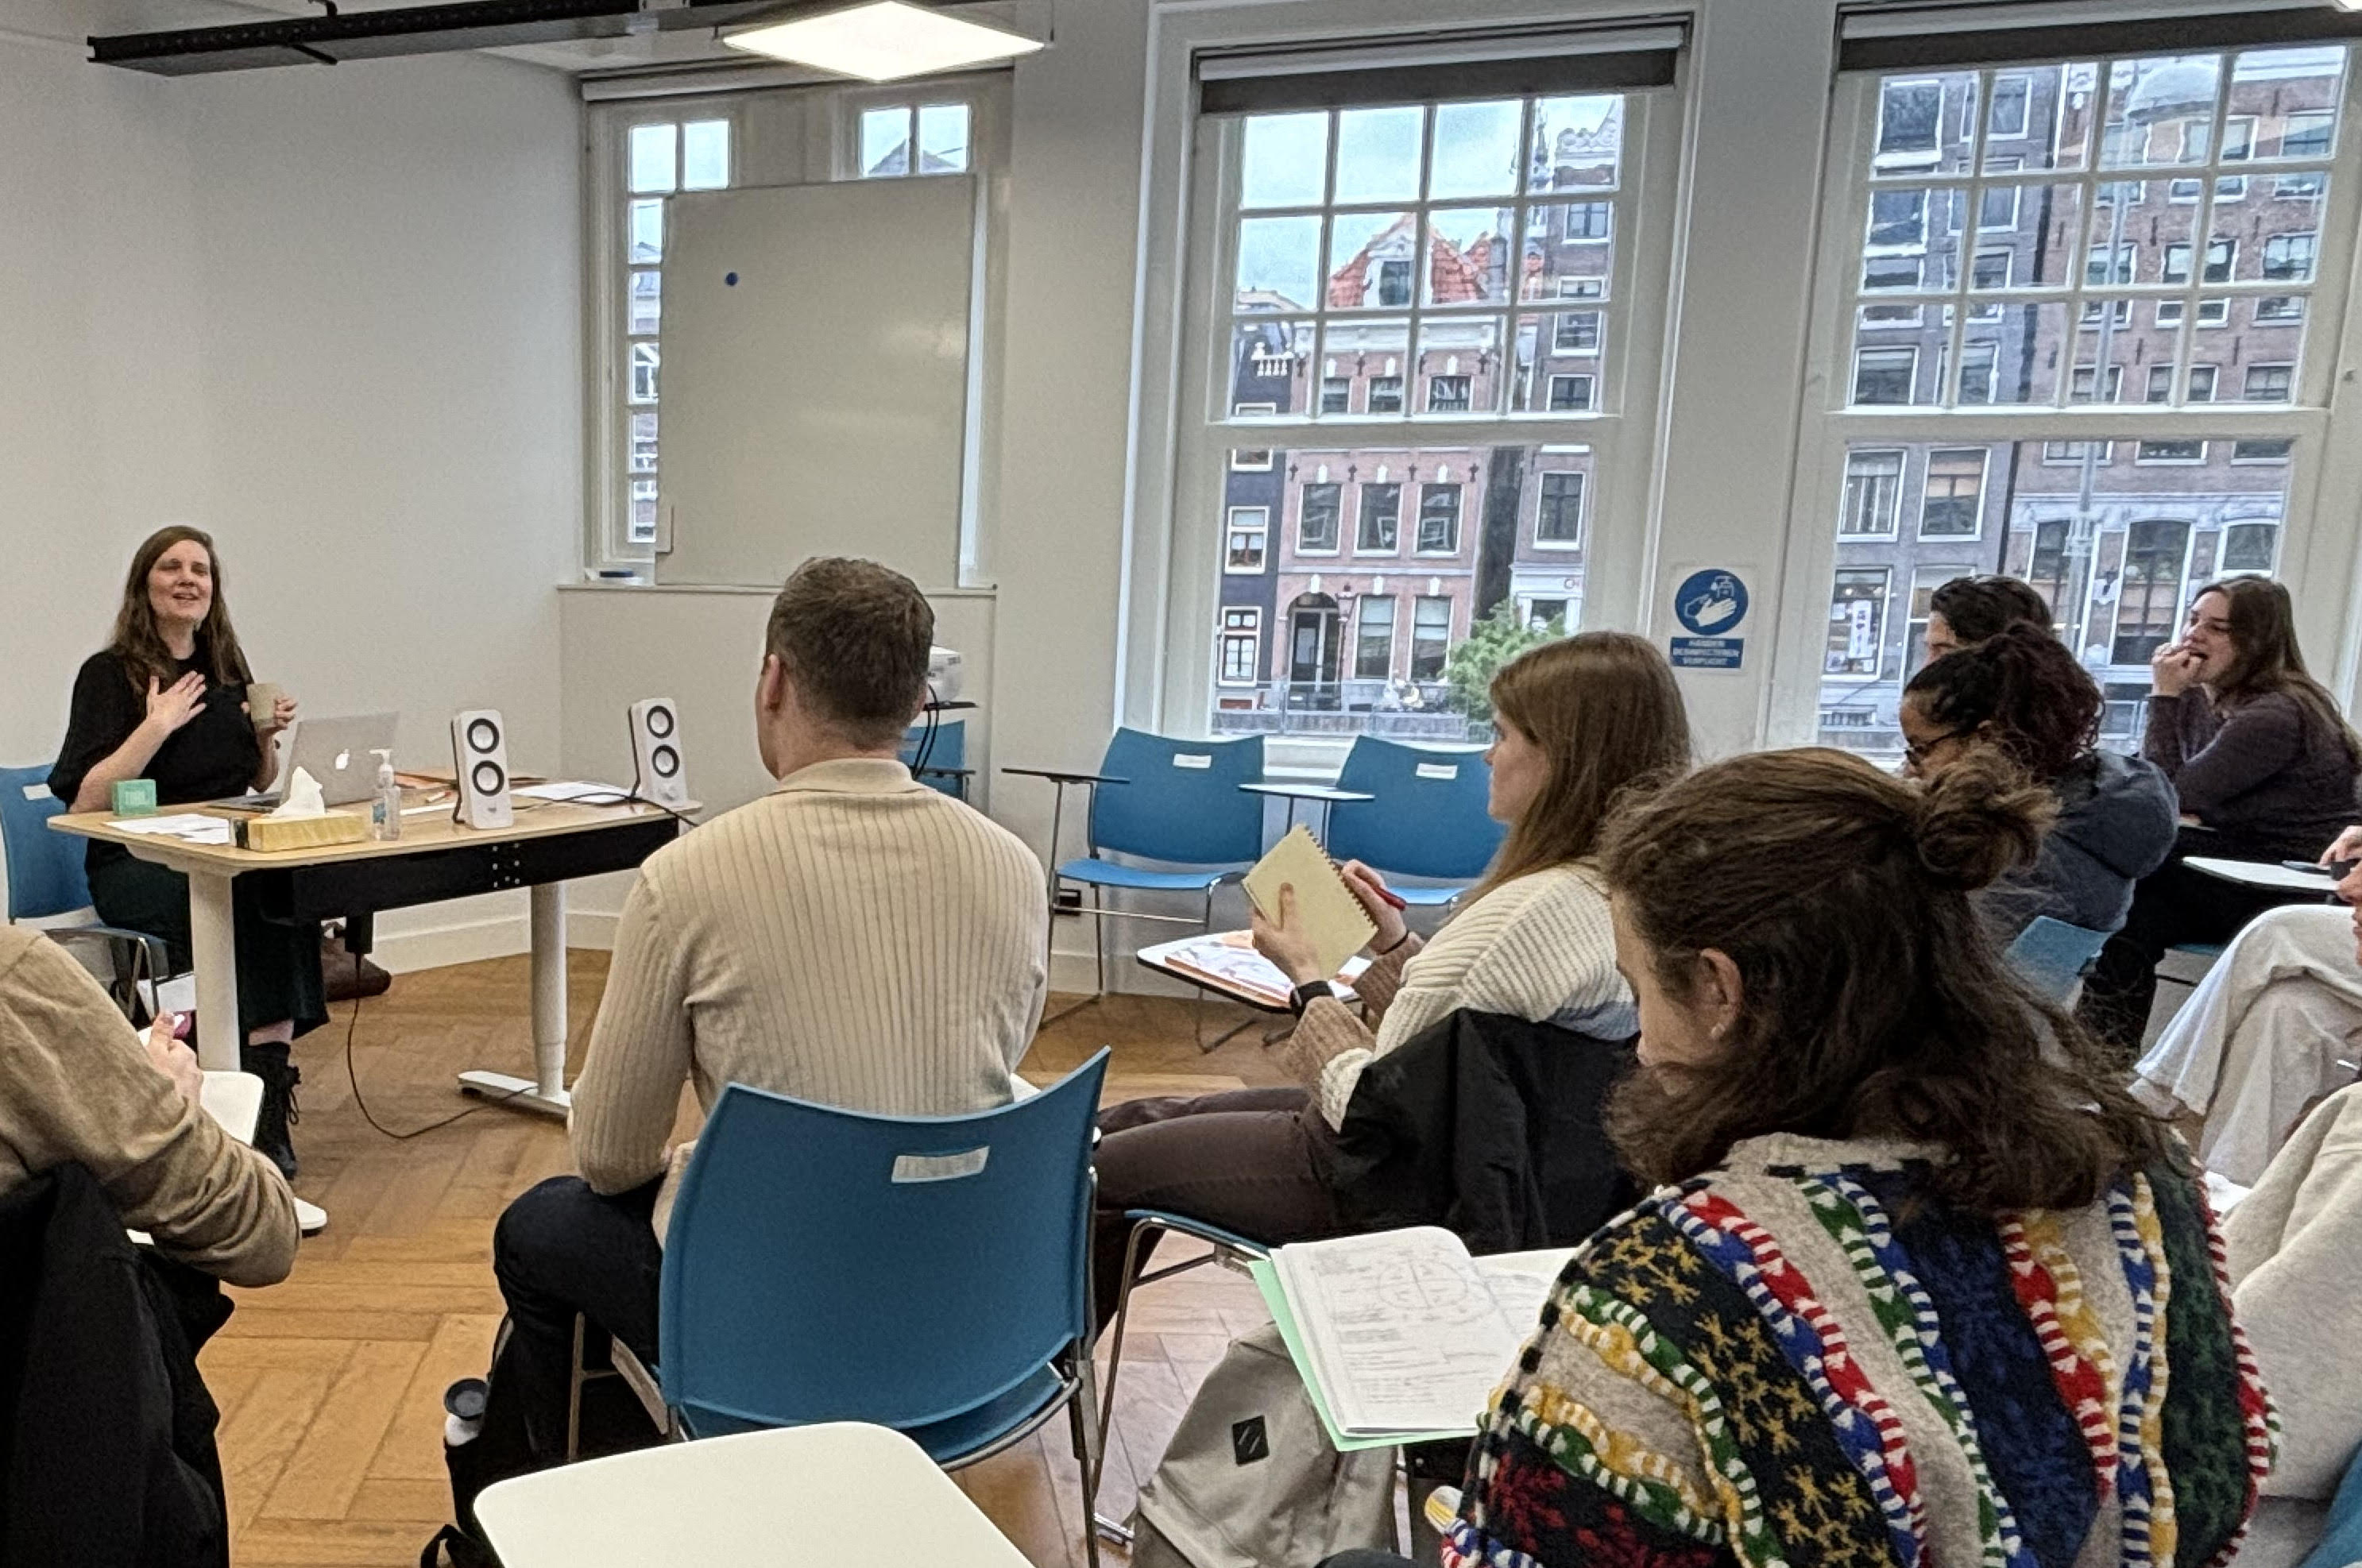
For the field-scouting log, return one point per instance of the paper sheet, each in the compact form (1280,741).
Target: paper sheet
(1227,959)
(601,794)
(1401,1326)
(194,827)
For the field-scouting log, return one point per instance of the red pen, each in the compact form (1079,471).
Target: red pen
(1393,903)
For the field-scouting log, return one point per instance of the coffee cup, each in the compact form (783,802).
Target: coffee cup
(262,700)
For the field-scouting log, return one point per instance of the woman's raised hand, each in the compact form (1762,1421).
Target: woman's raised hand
(174,706)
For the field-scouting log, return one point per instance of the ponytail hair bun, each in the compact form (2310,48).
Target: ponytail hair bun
(1978,820)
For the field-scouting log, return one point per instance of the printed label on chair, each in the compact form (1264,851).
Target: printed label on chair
(1198,759)
(940,1167)
(1437,770)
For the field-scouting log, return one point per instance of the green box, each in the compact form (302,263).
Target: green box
(134,798)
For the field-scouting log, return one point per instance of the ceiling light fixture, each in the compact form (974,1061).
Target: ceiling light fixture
(884,41)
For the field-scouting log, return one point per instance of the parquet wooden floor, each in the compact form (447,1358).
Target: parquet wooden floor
(331,1383)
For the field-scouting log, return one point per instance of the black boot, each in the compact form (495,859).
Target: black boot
(268,1061)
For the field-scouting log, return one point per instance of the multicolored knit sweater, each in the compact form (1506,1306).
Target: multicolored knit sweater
(1807,1359)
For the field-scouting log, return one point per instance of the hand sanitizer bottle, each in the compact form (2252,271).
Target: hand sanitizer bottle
(385,806)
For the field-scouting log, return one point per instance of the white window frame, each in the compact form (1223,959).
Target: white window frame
(2326,459)
(1183,369)
(1984,478)
(1582,507)
(830,118)
(1893,529)
(1248,630)
(1360,511)
(1303,493)
(1233,525)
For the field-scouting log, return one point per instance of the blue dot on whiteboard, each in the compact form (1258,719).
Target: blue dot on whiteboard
(731,278)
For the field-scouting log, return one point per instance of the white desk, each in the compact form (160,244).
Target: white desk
(2272,877)
(791,1498)
(435,858)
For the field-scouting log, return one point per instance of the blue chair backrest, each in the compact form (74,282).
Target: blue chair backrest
(45,868)
(2341,1535)
(1182,803)
(1428,818)
(2051,955)
(824,1264)
(949,752)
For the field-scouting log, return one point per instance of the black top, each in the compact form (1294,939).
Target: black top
(213,754)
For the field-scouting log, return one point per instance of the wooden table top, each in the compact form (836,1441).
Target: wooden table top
(421,831)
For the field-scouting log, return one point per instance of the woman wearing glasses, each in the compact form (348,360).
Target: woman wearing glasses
(2021,694)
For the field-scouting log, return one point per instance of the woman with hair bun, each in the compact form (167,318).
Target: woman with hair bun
(1921,1286)
(2021,694)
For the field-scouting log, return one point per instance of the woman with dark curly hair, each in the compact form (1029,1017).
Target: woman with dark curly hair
(2021,693)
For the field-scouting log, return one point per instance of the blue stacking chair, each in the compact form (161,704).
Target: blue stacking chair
(1173,801)
(946,767)
(2053,956)
(2341,1538)
(1427,819)
(930,1274)
(45,880)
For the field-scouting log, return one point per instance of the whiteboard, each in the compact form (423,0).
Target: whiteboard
(814,393)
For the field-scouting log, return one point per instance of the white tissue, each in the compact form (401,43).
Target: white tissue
(302,797)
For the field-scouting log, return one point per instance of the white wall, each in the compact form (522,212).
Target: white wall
(333,317)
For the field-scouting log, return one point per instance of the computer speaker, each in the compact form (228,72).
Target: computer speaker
(656,771)
(480,754)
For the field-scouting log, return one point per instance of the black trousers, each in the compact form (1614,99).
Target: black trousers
(562,1249)
(2172,905)
(278,955)
(1253,1162)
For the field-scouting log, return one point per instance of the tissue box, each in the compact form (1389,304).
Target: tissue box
(269,833)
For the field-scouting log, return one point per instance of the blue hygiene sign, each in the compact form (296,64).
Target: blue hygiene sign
(1710,605)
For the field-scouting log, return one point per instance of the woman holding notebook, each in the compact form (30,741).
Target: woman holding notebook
(1923,1284)
(1580,723)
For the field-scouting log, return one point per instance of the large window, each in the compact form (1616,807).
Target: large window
(2075,321)
(644,155)
(1428,315)
(660,158)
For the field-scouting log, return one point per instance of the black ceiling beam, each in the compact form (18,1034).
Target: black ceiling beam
(410,30)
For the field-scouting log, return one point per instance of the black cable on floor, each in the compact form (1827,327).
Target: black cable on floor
(352,1025)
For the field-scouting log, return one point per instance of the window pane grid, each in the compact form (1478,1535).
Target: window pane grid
(2074,334)
(1418,293)
(2096,260)
(659,159)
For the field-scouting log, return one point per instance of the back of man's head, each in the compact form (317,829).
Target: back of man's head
(854,637)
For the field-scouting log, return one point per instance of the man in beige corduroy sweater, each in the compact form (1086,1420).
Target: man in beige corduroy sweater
(853,937)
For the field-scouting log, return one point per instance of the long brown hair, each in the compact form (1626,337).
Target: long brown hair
(1603,707)
(2265,658)
(141,647)
(1873,1005)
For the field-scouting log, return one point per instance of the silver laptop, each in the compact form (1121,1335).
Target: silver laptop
(339,753)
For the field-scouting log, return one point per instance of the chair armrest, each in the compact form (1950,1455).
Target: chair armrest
(1056,776)
(159,959)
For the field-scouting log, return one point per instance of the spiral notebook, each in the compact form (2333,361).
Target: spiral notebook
(1331,916)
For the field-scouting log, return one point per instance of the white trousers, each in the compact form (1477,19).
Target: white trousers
(2273,1026)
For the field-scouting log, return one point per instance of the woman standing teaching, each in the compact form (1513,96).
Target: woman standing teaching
(165,700)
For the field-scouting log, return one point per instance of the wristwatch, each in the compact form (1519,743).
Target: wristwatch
(1305,994)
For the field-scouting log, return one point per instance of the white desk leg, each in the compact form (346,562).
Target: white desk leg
(212,942)
(546,1090)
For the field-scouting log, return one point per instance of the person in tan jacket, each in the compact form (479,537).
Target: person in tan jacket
(80,1085)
